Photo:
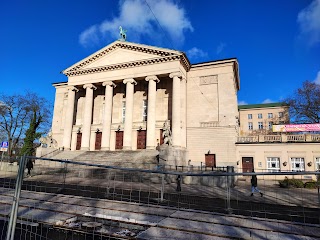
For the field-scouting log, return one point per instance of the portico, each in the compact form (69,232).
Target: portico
(128,121)
(107,94)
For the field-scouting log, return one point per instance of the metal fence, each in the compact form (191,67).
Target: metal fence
(62,199)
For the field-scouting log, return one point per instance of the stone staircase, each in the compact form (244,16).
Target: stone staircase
(69,155)
(142,159)
(145,159)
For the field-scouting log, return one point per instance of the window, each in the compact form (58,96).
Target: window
(270,115)
(260,125)
(249,116)
(144,110)
(270,125)
(123,111)
(260,115)
(281,114)
(250,125)
(273,164)
(317,163)
(297,164)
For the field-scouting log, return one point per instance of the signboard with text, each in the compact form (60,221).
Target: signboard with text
(315,127)
(4,146)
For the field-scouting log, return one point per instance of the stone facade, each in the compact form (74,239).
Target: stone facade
(273,157)
(120,97)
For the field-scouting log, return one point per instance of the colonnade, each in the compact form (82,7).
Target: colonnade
(178,113)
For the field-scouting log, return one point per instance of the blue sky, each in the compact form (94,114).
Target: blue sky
(277,43)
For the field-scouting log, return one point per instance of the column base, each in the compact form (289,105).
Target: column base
(126,148)
(105,149)
(85,149)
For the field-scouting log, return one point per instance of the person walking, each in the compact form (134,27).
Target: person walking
(178,183)
(254,185)
(29,167)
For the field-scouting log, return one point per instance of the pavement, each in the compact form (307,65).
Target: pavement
(197,212)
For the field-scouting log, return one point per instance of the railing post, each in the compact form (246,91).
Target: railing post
(15,202)
(162,187)
(230,169)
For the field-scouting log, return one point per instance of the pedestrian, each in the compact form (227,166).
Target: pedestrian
(254,185)
(178,183)
(29,167)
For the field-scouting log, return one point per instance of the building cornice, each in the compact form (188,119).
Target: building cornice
(163,55)
(123,66)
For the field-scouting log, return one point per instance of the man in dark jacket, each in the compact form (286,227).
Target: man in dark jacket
(29,166)
(254,185)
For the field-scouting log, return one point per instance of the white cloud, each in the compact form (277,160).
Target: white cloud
(220,47)
(268,101)
(136,17)
(309,21)
(242,103)
(196,53)
(89,36)
(317,80)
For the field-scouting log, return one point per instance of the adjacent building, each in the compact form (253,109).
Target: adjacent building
(259,118)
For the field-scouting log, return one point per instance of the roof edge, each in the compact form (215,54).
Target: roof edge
(263,105)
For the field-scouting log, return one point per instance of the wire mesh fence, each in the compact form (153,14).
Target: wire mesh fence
(62,199)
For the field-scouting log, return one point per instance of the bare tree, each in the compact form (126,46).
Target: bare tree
(39,118)
(16,114)
(305,104)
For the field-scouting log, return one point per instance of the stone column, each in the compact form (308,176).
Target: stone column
(68,122)
(151,117)
(107,117)
(184,112)
(127,136)
(87,117)
(176,109)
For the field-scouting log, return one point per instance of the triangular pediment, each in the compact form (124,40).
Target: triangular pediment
(121,53)
(119,56)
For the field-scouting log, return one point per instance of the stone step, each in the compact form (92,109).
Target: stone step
(118,158)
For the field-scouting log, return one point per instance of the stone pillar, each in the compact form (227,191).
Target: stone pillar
(184,112)
(176,109)
(107,117)
(68,122)
(127,137)
(87,117)
(151,117)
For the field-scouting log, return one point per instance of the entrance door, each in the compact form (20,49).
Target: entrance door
(247,164)
(210,160)
(98,141)
(141,139)
(119,139)
(79,136)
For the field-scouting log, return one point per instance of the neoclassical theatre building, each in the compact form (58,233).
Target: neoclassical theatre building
(120,97)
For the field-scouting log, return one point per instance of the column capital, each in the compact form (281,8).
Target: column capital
(175,74)
(129,80)
(72,88)
(152,78)
(90,85)
(183,79)
(109,83)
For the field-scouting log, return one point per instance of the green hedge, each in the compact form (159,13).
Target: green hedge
(286,183)
(296,183)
